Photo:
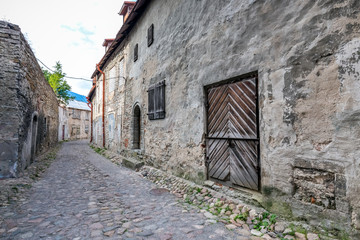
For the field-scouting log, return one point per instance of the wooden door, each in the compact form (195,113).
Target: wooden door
(232,133)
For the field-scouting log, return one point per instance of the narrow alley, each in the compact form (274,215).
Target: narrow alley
(82,195)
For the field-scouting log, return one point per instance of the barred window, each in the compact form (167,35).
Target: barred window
(156,99)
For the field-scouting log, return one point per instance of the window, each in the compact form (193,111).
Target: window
(112,78)
(75,131)
(150,35)
(156,101)
(87,116)
(121,73)
(86,129)
(76,114)
(136,49)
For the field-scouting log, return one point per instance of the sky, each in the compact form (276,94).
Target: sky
(69,31)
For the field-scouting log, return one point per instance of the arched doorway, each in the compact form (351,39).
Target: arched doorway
(34,125)
(136,127)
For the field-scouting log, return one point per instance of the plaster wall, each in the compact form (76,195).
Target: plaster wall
(79,126)
(306,54)
(63,124)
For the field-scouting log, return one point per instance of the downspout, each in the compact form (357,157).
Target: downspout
(89,103)
(103,108)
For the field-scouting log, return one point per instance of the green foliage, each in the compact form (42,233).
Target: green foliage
(265,214)
(58,83)
(242,216)
(100,151)
(272,218)
(265,222)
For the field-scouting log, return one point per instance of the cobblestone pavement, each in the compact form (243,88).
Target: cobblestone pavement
(85,196)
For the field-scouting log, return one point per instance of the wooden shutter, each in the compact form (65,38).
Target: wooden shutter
(156,100)
(151,98)
(136,50)
(150,35)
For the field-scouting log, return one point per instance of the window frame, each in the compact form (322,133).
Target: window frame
(136,52)
(150,35)
(156,101)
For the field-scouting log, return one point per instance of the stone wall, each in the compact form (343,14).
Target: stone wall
(28,106)
(306,55)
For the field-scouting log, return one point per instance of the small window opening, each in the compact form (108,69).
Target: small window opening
(136,52)
(150,35)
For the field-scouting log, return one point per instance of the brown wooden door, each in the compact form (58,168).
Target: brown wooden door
(232,133)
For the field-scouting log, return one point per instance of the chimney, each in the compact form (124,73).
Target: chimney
(107,43)
(126,9)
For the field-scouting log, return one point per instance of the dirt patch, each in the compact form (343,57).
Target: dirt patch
(14,189)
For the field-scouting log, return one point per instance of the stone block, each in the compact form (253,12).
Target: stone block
(132,163)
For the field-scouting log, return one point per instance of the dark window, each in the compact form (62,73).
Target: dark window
(136,52)
(150,35)
(156,98)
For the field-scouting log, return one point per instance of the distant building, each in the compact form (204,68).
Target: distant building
(74,119)
(28,106)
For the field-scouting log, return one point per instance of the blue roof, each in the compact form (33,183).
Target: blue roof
(78,97)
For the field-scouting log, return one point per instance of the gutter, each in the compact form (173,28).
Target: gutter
(103,100)
(89,103)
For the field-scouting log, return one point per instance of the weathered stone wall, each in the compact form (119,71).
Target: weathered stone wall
(28,106)
(306,54)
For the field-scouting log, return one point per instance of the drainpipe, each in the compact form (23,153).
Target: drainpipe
(89,103)
(103,108)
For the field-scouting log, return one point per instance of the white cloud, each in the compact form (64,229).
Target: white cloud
(68,31)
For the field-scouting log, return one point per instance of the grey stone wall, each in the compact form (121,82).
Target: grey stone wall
(28,106)
(306,54)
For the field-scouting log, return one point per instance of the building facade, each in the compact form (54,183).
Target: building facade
(74,119)
(28,106)
(262,96)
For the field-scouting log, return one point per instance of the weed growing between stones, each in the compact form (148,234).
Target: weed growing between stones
(219,208)
(114,158)
(100,151)
(234,214)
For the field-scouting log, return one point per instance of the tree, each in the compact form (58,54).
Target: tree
(58,83)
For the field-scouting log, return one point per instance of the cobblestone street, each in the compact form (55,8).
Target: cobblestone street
(84,196)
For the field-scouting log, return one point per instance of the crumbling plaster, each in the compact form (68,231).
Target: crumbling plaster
(25,96)
(306,54)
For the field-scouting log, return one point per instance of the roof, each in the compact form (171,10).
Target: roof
(92,90)
(77,97)
(135,14)
(107,41)
(125,6)
(78,105)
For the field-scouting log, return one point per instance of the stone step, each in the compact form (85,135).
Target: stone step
(132,163)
